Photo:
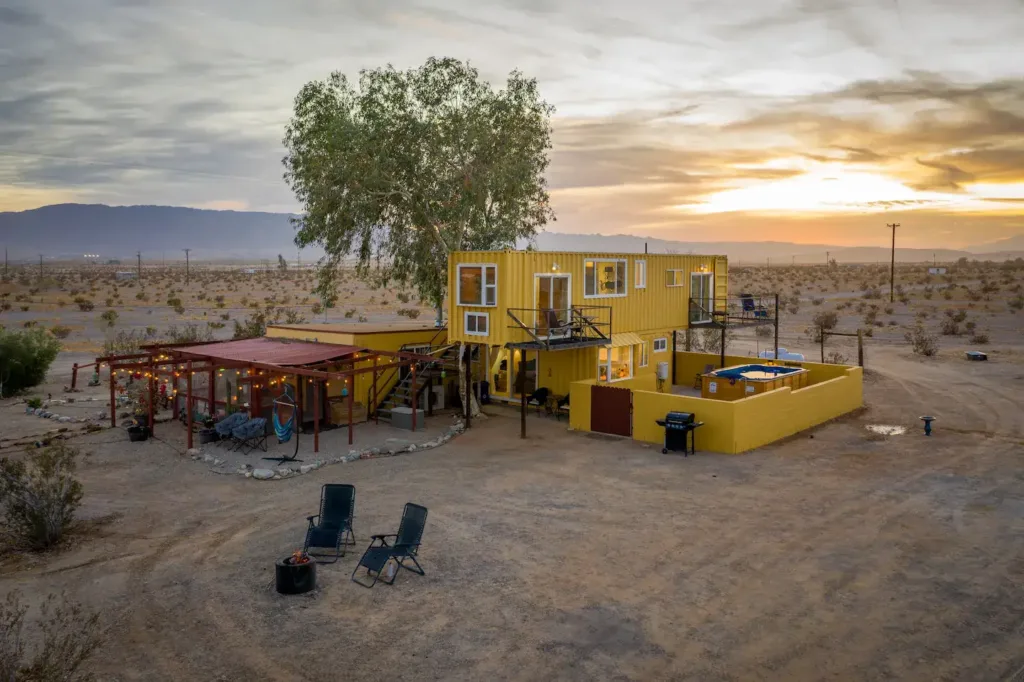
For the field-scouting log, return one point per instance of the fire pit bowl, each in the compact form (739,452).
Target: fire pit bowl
(295,574)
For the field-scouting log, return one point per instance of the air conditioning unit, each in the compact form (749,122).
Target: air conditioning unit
(663,371)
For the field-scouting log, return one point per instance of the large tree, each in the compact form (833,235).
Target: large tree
(410,166)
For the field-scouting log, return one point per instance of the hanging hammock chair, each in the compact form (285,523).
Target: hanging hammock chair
(285,403)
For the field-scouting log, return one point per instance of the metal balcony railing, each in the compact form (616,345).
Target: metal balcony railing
(745,309)
(560,328)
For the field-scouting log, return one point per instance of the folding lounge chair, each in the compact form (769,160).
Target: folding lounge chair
(251,435)
(332,527)
(406,544)
(538,399)
(228,424)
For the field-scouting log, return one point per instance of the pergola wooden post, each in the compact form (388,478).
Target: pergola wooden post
(376,412)
(211,395)
(152,396)
(316,415)
(413,385)
(113,405)
(188,402)
(351,390)
(469,382)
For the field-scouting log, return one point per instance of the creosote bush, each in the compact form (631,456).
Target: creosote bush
(922,342)
(69,637)
(40,496)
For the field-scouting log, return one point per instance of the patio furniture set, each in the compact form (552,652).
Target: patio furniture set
(331,533)
(552,404)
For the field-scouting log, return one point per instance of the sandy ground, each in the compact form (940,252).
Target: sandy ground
(834,555)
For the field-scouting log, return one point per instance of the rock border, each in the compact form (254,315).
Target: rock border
(279,473)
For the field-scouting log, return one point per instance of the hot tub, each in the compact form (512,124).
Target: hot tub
(743,381)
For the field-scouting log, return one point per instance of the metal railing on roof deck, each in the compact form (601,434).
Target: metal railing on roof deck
(744,309)
(556,328)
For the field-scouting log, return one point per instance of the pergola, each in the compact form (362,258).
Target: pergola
(264,362)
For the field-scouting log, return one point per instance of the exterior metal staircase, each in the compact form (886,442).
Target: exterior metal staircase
(402,391)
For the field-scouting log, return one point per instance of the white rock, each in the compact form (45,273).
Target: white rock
(262,474)
(412,448)
(306,468)
(248,474)
(216,461)
(193,451)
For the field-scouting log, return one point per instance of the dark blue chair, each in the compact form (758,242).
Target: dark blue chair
(405,546)
(251,435)
(332,527)
(228,424)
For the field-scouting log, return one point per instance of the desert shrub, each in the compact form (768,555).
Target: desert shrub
(124,342)
(190,332)
(411,313)
(110,317)
(60,331)
(825,320)
(1016,303)
(888,310)
(40,495)
(109,302)
(763,331)
(225,316)
(84,304)
(24,308)
(363,318)
(872,293)
(836,358)
(25,356)
(173,302)
(317,308)
(403,297)
(922,342)
(69,636)
(817,301)
(979,338)
(349,313)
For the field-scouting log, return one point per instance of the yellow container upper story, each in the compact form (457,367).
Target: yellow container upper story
(622,292)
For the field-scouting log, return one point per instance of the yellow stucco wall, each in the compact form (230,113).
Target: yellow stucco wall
(579,404)
(717,434)
(733,427)
(656,306)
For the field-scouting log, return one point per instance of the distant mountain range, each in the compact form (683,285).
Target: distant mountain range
(71,230)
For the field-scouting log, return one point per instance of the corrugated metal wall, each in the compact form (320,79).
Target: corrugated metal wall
(653,308)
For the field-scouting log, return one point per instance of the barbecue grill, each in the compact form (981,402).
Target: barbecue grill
(677,426)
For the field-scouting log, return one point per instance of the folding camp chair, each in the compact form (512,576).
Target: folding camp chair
(228,424)
(405,546)
(538,398)
(251,435)
(333,525)
(697,380)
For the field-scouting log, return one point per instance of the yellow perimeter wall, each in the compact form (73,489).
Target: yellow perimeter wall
(741,425)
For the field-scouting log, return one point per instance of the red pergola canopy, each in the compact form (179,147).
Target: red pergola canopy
(269,351)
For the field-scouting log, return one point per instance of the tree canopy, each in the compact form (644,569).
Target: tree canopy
(413,165)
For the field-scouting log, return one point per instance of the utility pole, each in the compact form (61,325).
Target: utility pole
(138,268)
(892,269)
(40,267)
(5,261)
(828,260)
(186,265)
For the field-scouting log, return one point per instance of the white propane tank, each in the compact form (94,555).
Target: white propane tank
(663,371)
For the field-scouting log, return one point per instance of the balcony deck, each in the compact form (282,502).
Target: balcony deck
(745,310)
(560,329)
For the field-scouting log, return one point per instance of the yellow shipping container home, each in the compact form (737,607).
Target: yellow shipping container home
(547,319)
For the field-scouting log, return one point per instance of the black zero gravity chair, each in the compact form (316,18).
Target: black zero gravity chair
(405,546)
(333,527)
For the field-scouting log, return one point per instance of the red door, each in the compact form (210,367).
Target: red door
(611,410)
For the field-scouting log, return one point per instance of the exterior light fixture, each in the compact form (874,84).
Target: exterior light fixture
(554,267)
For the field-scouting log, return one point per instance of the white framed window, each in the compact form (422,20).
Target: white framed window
(615,364)
(477,324)
(604,278)
(675,278)
(640,274)
(477,284)
(660,345)
(643,354)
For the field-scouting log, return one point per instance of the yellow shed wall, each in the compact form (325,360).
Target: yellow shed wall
(651,308)
(717,434)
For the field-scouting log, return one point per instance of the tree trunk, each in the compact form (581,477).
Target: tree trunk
(474,406)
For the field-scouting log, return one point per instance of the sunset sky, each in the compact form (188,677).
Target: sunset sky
(798,120)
